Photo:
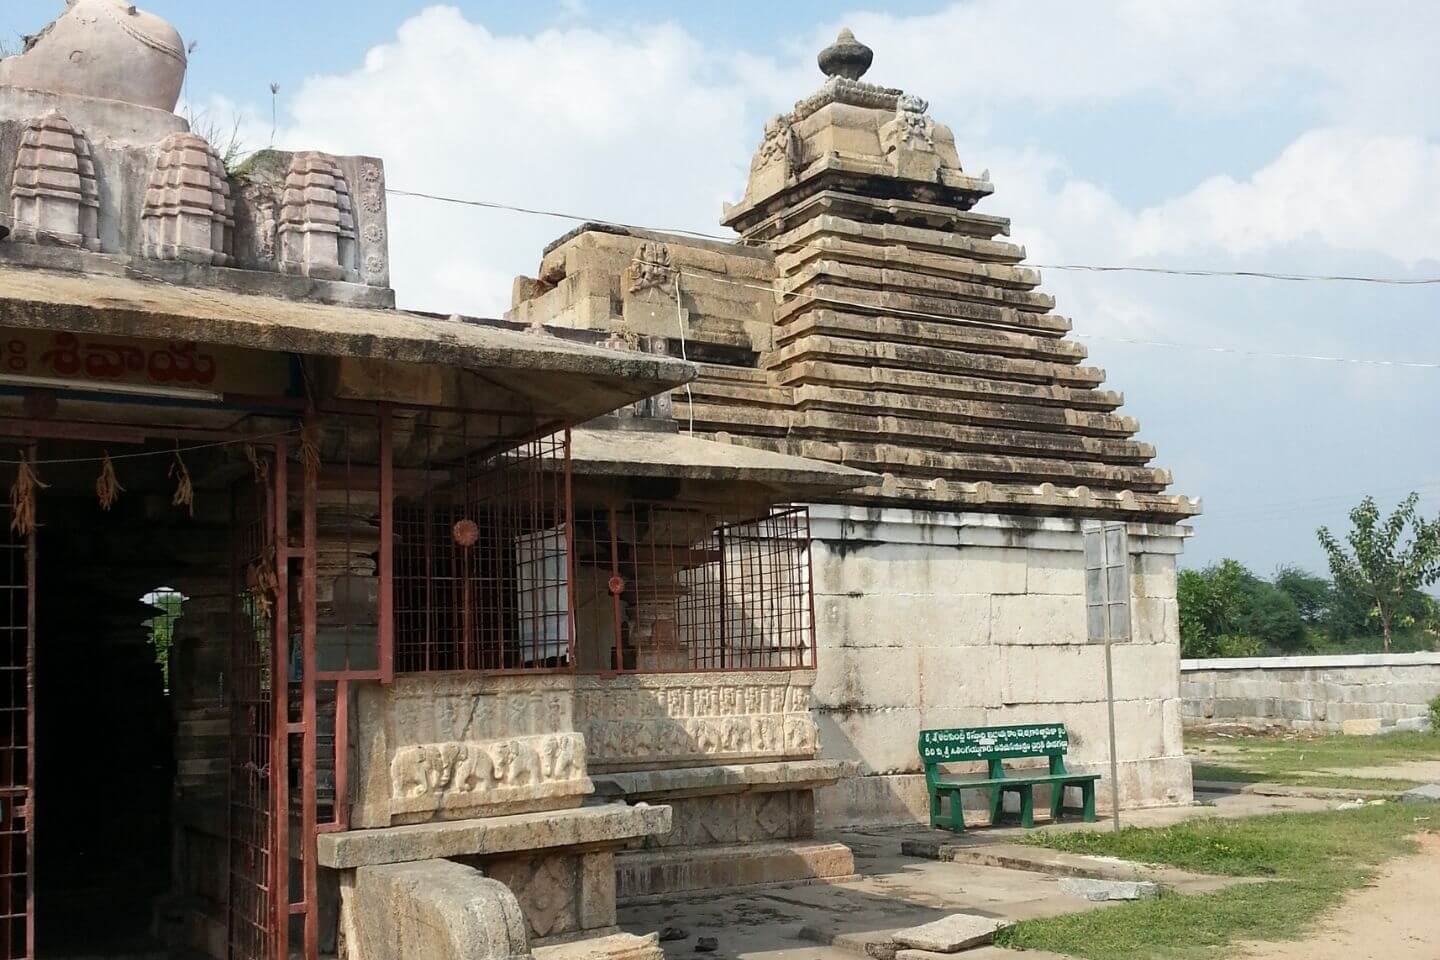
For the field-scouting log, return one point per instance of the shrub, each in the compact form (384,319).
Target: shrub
(1435,714)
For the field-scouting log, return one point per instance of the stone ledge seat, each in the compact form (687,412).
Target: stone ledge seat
(596,826)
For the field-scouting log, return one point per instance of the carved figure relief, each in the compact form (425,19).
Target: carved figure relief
(316,232)
(781,145)
(189,213)
(53,197)
(912,128)
(497,771)
(651,268)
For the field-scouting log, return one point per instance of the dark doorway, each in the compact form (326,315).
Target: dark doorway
(105,734)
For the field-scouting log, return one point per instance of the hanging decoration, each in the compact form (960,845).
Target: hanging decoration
(309,450)
(22,497)
(184,488)
(107,485)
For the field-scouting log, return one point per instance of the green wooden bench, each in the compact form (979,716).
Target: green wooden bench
(994,745)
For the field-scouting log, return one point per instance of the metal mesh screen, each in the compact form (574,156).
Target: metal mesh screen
(661,587)
(16,653)
(481,576)
(252,874)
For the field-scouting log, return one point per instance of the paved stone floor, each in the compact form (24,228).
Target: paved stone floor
(835,921)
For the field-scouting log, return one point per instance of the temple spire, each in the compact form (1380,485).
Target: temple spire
(846,57)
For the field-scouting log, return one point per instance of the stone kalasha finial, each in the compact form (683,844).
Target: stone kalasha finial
(54,198)
(846,57)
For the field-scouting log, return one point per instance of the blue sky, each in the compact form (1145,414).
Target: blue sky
(1295,135)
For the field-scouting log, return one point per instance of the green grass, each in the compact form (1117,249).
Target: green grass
(1294,760)
(1311,860)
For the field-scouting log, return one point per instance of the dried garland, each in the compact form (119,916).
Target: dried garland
(22,497)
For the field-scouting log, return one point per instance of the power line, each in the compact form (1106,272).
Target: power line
(915,314)
(1092,268)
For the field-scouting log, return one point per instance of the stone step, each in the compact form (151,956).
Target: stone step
(821,294)
(928,333)
(910,357)
(929,383)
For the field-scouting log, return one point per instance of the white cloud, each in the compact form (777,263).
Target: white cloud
(637,127)
(1355,65)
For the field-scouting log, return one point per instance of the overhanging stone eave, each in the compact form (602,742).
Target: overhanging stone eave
(625,453)
(1045,500)
(561,382)
(862,179)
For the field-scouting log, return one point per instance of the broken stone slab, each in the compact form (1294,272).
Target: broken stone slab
(959,931)
(619,946)
(1427,793)
(1101,890)
(1366,727)
(1411,725)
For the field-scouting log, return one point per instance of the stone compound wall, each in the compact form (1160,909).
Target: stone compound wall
(930,619)
(1354,694)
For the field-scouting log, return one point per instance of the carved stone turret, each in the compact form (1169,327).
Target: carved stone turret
(317,220)
(189,214)
(53,197)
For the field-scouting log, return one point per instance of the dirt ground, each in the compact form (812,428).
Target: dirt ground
(1394,918)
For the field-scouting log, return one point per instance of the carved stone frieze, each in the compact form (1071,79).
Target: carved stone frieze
(462,745)
(696,718)
(460,774)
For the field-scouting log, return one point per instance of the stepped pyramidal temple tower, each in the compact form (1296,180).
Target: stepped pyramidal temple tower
(870,315)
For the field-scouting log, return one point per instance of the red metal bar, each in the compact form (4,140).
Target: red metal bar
(280,740)
(308,764)
(31,547)
(386,628)
(570,552)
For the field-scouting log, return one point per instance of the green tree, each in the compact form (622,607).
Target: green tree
(1376,565)
(1313,595)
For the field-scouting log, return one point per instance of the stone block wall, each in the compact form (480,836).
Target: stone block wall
(1318,694)
(930,619)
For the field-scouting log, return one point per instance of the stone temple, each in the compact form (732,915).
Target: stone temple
(870,316)
(337,630)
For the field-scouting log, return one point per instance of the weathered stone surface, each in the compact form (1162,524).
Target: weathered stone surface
(610,824)
(617,946)
(1100,890)
(954,933)
(433,909)
(645,873)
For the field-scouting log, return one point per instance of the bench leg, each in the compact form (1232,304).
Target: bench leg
(997,805)
(934,809)
(1027,806)
(957,812)
(1087,792)
(1057,802)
